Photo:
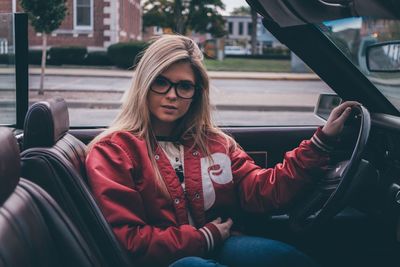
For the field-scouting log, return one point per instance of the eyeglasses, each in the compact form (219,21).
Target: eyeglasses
(183,89)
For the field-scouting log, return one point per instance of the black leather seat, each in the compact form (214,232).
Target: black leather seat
(34,231)
(54,159)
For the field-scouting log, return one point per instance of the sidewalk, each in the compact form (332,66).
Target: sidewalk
(212,74)
(281,76)
(278,76)
(128,73)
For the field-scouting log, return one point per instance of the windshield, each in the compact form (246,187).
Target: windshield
(354,35)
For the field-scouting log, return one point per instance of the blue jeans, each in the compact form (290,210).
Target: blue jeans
(251,251)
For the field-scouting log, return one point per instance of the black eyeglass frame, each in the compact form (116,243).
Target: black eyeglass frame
(175,86)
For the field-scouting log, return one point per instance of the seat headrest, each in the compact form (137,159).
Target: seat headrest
(9,163)
(46,122)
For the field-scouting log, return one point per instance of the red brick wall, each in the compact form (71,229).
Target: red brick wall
(129,20)
(5,6)
(137,20)
(94,39)
(6,26)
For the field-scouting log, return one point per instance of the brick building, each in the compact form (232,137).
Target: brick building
(92,23)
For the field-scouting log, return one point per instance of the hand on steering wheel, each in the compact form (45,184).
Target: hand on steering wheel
(328,198)
(335,123)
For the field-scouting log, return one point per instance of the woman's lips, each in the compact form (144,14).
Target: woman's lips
(169,107)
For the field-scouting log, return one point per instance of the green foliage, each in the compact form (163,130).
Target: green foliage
(35,57)
(73,55)
(266,56)
(97,58)
(276,53)
(241,11)
(81,57)
(392,31)
(182,16)
(7,59)
(45,15)
(123,55)
(248,64)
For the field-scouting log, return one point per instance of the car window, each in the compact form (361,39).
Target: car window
(353,36)
(267,87)
(7,71)
(261,98)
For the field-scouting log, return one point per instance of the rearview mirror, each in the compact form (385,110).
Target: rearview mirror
(326,103)
(383,57)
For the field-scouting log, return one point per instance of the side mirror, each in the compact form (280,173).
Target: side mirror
(326,103)
(383,57)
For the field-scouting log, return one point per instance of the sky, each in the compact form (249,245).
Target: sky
(231,4)
(344,24)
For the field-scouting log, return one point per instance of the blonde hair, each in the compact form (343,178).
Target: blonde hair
(134,115)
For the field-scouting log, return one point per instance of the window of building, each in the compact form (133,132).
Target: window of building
(249,28)
(8,95)
(240,28)
(230,27)
(158,30)
(83,15)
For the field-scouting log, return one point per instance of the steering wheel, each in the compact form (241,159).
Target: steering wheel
(329,195)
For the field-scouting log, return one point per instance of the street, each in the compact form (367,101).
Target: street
(102,117)
(238,102)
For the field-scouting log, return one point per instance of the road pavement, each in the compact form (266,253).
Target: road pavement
(97,93)
(241,98)
(80,85)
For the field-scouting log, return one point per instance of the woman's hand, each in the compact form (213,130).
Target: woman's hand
(338,116)
(223,228)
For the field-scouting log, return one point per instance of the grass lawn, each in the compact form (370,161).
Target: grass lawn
(228,64)
(243,64)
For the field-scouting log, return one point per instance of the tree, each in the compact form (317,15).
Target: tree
(182,16)
(254,21)
(241,11)
(45,17)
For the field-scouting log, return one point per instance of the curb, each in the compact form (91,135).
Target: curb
(212,74)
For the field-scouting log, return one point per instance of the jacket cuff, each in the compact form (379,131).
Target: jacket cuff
(323,142)
(211,235)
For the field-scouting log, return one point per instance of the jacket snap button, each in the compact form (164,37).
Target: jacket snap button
(176,201)
(157,157)
(197,195)
(195,153)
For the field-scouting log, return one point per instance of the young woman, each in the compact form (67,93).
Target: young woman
(164,175)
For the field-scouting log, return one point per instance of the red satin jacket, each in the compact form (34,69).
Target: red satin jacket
(153,225)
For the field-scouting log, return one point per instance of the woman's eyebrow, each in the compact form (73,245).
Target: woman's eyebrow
(166,78)
(190,81)
(162,76)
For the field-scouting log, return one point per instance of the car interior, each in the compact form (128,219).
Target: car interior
(352,218)
(34,229)
(54,159)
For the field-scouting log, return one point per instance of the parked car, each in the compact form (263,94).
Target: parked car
(352,216)
(235,50)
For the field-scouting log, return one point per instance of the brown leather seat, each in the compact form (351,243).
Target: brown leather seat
(54,159)
(34,231)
